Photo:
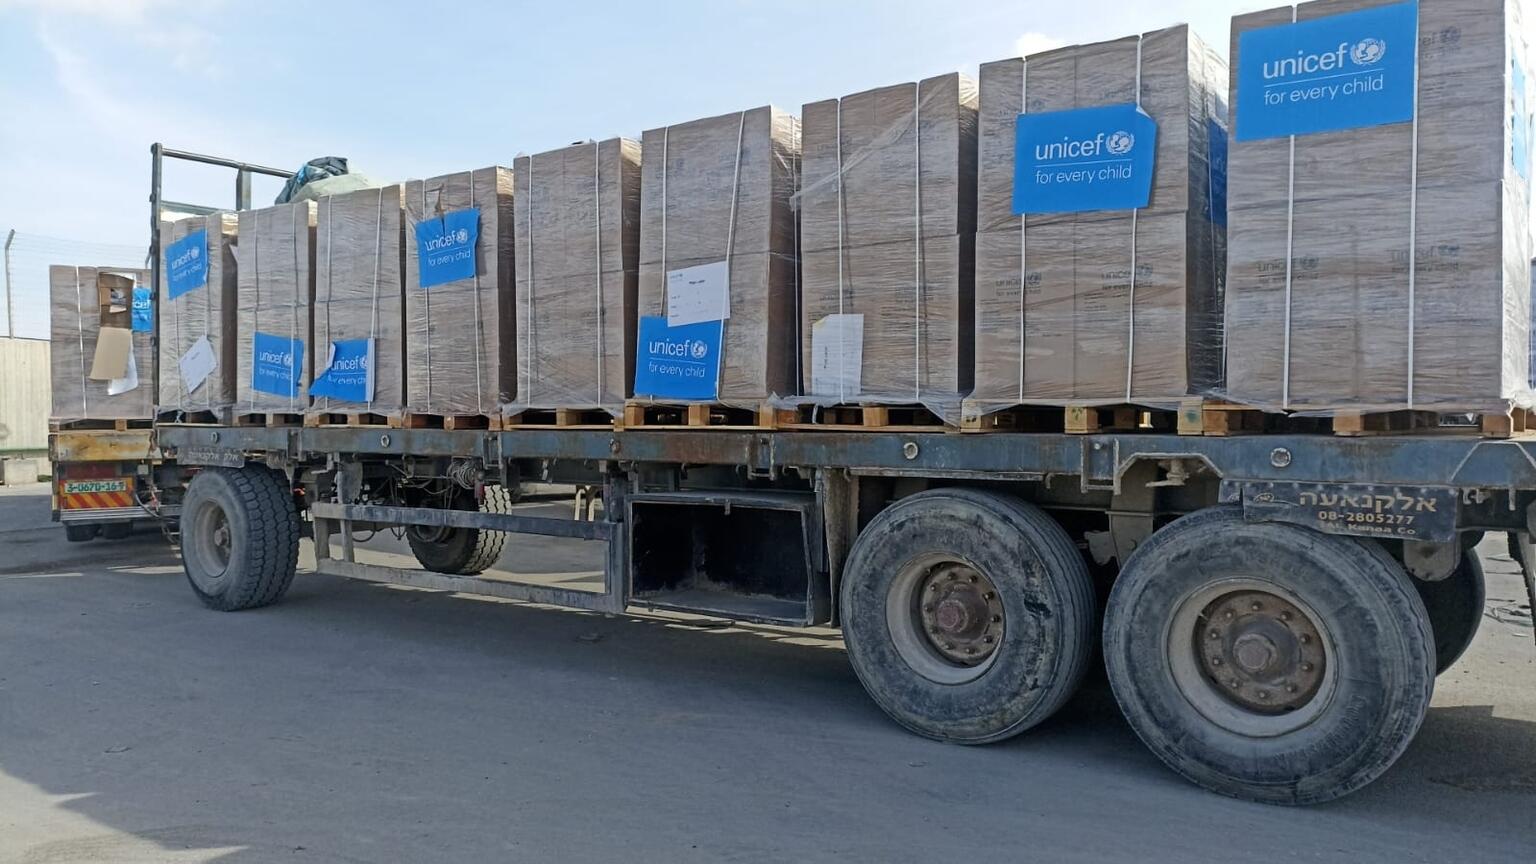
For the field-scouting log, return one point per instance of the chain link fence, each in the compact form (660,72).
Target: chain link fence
(24,290)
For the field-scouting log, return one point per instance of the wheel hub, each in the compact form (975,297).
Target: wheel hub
(1260,651)
(961,614)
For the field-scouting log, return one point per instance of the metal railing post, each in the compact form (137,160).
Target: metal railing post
(10,291)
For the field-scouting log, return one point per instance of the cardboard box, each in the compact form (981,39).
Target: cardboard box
(1076,335)
(887,233)
(197,314)
(577,231)
(719,190)
(1367,331)
(102,369)
(275,288)
(460,341)
(360,302)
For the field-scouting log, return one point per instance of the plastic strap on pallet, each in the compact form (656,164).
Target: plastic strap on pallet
(373,312)
(1130,313)
(256,300)
(530,354)
(293,327)
(917,231)
(1023,226)
(842,331)
(730,239)
(1413,213)
(80,332)
(479,326)
(426,300)
(597,218)
(1290,251)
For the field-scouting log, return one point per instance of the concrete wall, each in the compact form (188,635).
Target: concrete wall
(26,397)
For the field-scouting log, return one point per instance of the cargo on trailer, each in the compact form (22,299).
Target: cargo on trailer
(716,316)
(275,288)
(577,231)
(100,345)
(359,314)
(196,307)
(1100,257)
(888,217)
(1380,254)
(460,343)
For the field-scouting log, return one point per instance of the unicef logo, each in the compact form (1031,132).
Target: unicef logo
(1368,52)
(195,253)
(1120,143)
(698,349)
(462,236)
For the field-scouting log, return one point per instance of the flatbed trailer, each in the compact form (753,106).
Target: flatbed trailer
(1272,609)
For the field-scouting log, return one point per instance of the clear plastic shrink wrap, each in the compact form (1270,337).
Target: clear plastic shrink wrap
(460,342)
(275,288)
(359,316)
(1117,306)
(1383,267)
(888,218)
(717,192)
(196,309)
(81,301)
(577,233)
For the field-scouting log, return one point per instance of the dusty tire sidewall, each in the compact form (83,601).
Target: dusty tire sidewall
(214,487)
(1384,681)
(994,544)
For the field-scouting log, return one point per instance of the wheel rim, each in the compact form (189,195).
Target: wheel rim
(946,619)
(430,533)
(212,542)
(1252,657)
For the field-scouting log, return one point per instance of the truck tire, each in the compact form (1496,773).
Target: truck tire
(1266,661)
(77,533)
(239,537)
(116,530)
(462,551)
(968,614)
(1455,607)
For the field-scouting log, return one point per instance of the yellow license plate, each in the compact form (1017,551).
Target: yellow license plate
(81,487)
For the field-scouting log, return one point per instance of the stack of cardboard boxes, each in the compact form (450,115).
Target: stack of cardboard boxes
(100,347)
(274,298)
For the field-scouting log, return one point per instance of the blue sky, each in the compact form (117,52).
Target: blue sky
(419,89)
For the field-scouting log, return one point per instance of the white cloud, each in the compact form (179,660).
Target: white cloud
(1034,43)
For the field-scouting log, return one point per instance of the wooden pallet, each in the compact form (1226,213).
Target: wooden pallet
(700,415)
(1215,417)
(339,418)
(562,418)
(116,425)
(269,420)
(450,422)
(1070,419)
(864,418)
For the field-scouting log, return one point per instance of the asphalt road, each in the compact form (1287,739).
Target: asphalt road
(355,722)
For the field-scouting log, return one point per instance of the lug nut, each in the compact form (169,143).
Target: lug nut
(949,646)
(973,577)
(1305,639)
(1306,667)
(987,639)
(1290,688)
(952,577)
(1256,606)
(928,608)
(970,650)
(997,619)
(1215,634)
(1215,661)
(988,596)
(1235,683)
(1263,694)
(1227,614)
(934,630)
(1285,616)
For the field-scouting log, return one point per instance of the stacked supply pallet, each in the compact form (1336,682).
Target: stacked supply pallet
(1380,256)
(887,242)
(1099,262)
(274,299)
(460,342)
(359,312)
(196,309)
(577,234)
(717,263)
(100,349)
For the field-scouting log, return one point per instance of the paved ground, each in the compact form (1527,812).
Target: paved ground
(366,723)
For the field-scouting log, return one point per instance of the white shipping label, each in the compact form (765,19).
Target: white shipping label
(129,382)
(197,364)
(837,356)
(696,294)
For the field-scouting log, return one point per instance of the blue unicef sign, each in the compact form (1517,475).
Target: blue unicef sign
(1084,159)
(1340,72)
(143,320)
(681,362)
(349,377)
(275,364)
(445,246)
(186,264)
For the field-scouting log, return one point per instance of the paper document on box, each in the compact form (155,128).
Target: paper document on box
(114,345)
(837,356)
(197,364)
(129,381)
(696,294)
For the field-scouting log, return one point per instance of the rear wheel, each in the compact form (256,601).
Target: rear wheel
(968,615)
(1266,661)
(116,530)
(462,551)
(1455,607)
(239,537)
